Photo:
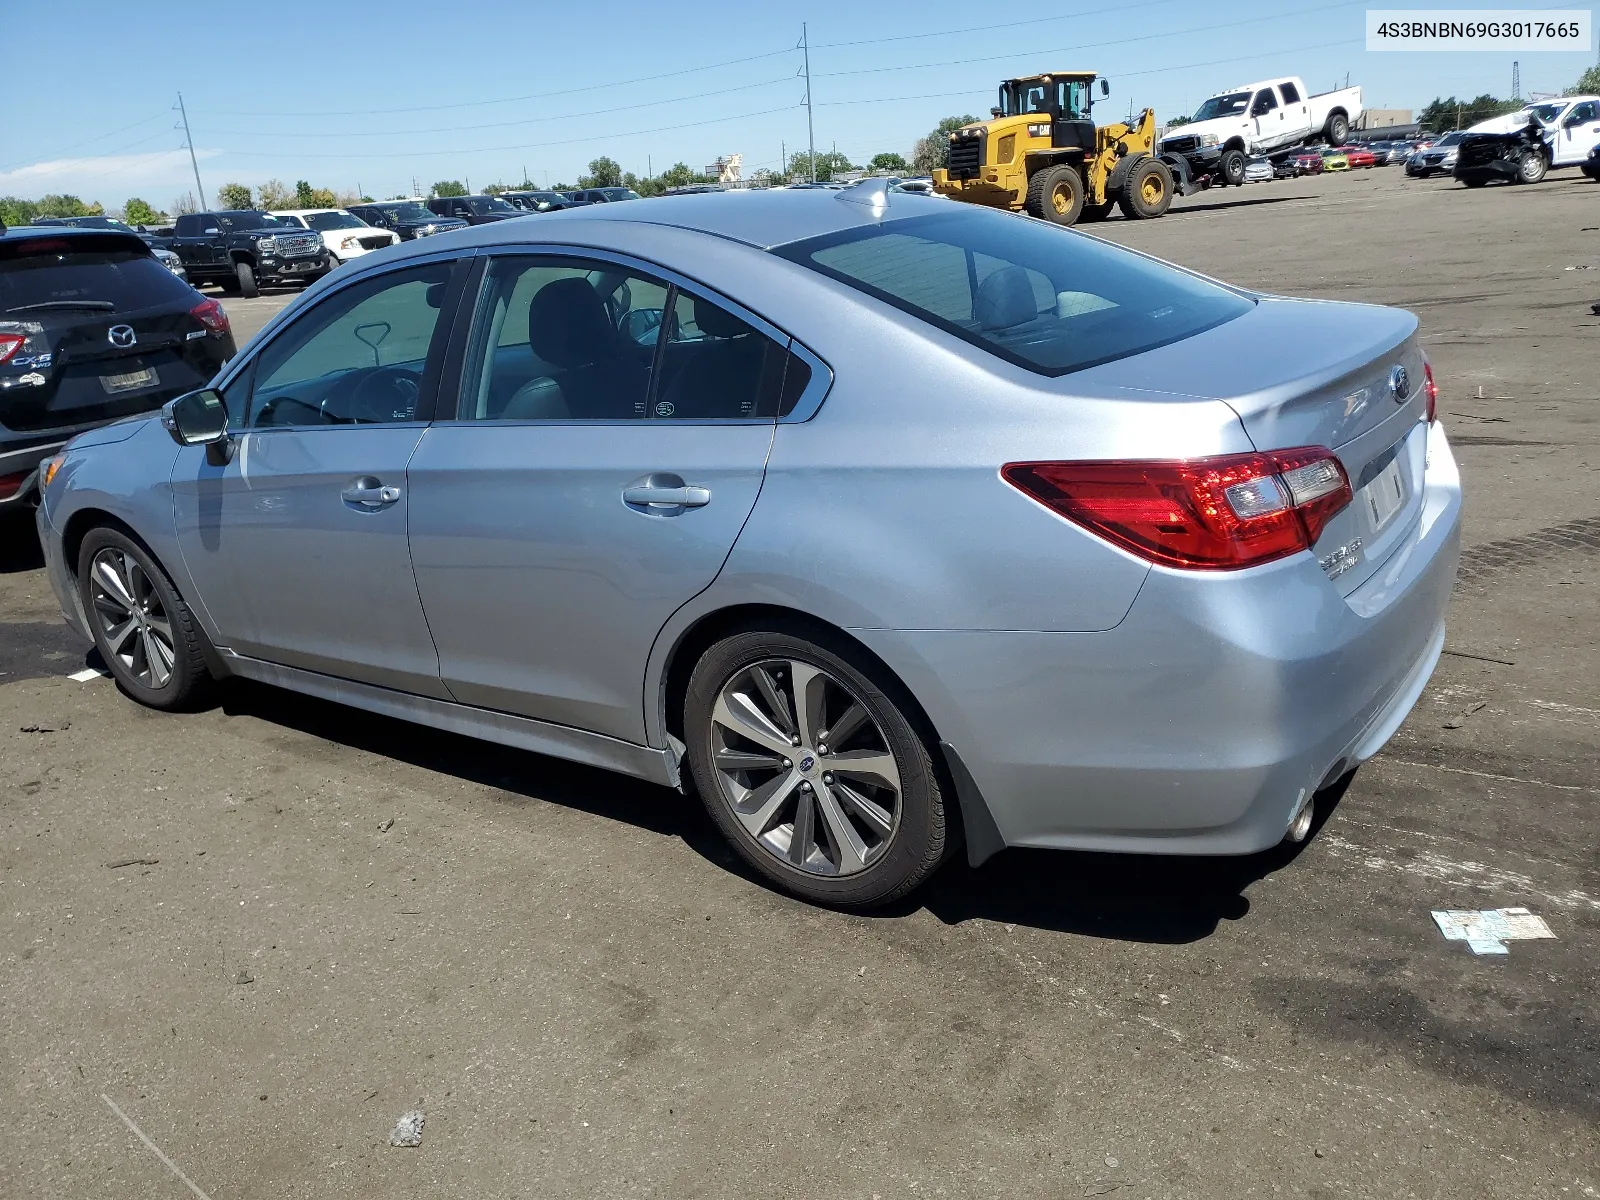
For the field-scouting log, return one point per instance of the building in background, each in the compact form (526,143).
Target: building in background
(727,169)
(1383,118)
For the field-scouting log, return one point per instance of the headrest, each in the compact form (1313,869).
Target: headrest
(568,325)
(716,321)
(1005,299)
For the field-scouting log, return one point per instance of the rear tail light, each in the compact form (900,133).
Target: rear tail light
(1223,513)
(10,485)
(209,313)
(10,343)
(1430,389)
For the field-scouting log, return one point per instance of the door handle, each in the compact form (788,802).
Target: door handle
(367,492)
(653,496)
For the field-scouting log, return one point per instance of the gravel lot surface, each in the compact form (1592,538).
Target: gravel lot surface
(571,978)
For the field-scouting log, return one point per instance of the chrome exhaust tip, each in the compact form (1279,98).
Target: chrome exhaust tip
(1300,823)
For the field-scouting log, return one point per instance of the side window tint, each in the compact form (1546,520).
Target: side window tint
(1291,94)
(186,227)
(563,339)
(715,366)
(1265,102)
(356,358)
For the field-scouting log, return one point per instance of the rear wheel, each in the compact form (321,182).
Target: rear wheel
(1232,166)
(1147,191)
(804,757)
(247,280)
(142,627)
(1056,194)
(1532,168)
(1338,129)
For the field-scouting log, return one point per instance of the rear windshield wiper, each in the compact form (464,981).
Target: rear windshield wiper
(96,304)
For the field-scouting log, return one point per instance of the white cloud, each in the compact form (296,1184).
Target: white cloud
(109,178)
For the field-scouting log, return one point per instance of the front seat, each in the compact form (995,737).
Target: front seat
(1005,300)
(569,328)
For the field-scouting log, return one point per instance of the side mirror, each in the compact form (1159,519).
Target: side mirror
(199,419)
(1105,87)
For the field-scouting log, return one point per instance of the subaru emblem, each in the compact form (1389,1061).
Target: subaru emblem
(807,763)
(121,335)
(1400,384)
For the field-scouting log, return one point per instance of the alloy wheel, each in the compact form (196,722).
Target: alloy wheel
(804,767)
(130,617)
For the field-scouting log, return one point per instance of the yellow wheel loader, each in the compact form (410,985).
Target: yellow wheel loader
(1041,153)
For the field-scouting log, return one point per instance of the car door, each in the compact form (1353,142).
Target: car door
(194,238)
(1579,134)
(1266,118)
(297,545)
(1296,114)
(610,438)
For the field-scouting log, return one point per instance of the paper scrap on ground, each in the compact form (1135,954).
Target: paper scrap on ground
(1486,931)
(86,674)
(408,1130)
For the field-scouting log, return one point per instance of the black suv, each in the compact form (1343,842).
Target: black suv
(408,219)
(92,329)
(538,201)
(243,248)
(605,195)
(474,210)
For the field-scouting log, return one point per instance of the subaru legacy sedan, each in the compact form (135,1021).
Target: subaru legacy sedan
(885,525)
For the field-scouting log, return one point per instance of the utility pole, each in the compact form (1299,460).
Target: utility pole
(193,162)
(1516,80)
(811,132)
(783,158)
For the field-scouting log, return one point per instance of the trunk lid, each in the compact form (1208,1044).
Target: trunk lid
(1339,389)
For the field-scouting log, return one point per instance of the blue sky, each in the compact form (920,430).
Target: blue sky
(376,95)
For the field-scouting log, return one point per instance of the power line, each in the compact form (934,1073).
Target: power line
(594,112)
(97,138)
(615,83)
(961,62)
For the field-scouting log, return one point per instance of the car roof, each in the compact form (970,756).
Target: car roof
(60,231)
(761,217)
(303,212)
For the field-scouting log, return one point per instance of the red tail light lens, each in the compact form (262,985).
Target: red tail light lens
(209,313)
(10,485)
(10,343)
(1431,390)
(1223,513)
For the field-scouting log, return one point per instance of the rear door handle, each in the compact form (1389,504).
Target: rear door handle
(367,492)
(653,496)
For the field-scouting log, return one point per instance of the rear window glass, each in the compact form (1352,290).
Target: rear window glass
(1041,297)
(55,273)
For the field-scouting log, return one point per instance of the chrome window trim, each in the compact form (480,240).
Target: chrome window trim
(805,408)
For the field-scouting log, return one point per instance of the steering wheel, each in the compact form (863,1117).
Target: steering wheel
(385,395)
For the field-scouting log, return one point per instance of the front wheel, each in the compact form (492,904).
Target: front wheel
(1056,194)
(248,287)
(1232,167)
(1147,191)
(142,627)
(804,756)
(1532,168)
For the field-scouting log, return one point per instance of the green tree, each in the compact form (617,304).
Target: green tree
(1450,113)
(889,161)
(1176,121)
(137,212)
(494,189)
(62,206)
(677,175)
(603,172)
(1588,83)
(233,195)
(829,164)
(933,152)
(14,210)
(272,195)
(449,187)
(306,196)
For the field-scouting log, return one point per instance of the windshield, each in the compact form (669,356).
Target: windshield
(407,213)
(1231,105)
(490,204)
(620,193)
(1066,97)
(1449,139)
(1043,298)
(248,219)
(1547,112)
(322,222)
(60,273)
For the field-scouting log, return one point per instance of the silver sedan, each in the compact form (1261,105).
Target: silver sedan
(886,525)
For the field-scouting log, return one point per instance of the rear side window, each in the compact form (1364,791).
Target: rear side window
(62,272)
(1041,297)
(1291,94)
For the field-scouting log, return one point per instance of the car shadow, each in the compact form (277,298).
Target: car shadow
(19,543)
(1144,898)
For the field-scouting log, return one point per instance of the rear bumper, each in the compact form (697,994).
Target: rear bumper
(24,461)
(1200,723)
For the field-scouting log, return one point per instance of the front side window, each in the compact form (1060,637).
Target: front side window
(357,358)
(1582,114)
(1041,297)
(1265,103)
(569,339)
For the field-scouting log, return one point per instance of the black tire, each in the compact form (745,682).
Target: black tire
(1056,194)
(1147,191)
(248,287)
(1094,212)
(1232,167)
(1533,167)
(1338,129)
(918,840)
(188,681)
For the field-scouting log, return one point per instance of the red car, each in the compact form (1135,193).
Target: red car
(1307,162)
(1359,156)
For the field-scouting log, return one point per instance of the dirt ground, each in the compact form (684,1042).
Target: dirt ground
(566,971)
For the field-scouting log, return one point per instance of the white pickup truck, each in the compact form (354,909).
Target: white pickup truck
(1268,117)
